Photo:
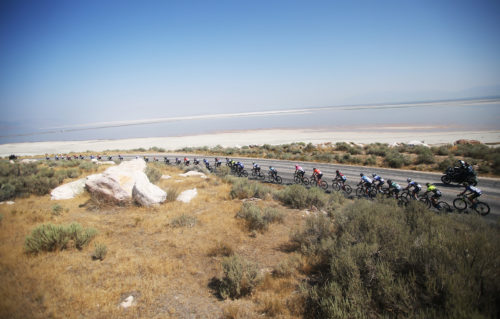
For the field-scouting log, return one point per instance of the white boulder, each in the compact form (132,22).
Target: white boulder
(166,177)
(117,183)
(28,160)
(193,173)
(69,190)
(145,193)
(417,143)
(187,195)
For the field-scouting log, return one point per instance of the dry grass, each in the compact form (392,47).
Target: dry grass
(167,270)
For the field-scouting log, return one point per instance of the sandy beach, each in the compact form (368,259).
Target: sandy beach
(254,137)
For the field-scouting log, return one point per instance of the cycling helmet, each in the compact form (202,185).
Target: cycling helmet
(361,174)
(427,184)
(253,163)
(389,181)
(408,179)
(270,167)
(374,174)
(337,171)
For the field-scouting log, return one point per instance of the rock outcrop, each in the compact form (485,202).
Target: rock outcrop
(145,193)
(122,183)
(69,190)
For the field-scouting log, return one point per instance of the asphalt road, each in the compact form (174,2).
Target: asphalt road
(286,169)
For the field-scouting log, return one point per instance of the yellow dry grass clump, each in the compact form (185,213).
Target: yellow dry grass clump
(167,269)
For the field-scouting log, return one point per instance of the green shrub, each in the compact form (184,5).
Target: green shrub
(240,277)
(425,156)
(243,188)
(183,221)
(153,173)
(172,194)
(441,150)
(395,159)
(377,258)
(377,149)
(370,161)
(87,166)
(1,217)
(297,196)
(478,151)
(221,249)
(100,251)
(57,209)
(7,191)
(257,218)
(447,162)
(49,237)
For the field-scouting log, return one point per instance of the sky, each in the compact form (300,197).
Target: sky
(72,62)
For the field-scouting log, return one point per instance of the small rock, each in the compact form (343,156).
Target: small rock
(9,202)
(128,302)
(166,177)
(187,195)
(28,160)
(193,173)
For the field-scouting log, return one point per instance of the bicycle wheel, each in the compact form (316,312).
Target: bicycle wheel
(403,201)
(335,186)
(323,185)
(360,191)
(305,181)
(443,207)
(459,203)
(244,173)
(296,179)
(482,208)
(279,180)
(372,192)
(446,179)
(347,189)
(426,201)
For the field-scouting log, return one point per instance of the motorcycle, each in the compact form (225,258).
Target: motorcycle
(459,176)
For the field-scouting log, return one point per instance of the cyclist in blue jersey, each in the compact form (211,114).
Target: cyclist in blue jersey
(414,186)
(472,192)
(378,181)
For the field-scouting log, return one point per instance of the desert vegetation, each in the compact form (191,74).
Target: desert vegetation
(243,249)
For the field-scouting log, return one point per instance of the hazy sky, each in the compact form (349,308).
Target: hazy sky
(66,62)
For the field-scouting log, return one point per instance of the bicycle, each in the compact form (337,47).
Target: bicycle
(362,190)
(440,206)
(462,202)
(300,179)
(321,183)
(257,173)
(338,184)
(242,173)
(274,178)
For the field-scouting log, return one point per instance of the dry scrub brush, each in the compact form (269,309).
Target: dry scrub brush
(379,259)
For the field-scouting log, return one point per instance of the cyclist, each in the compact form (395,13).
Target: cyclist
(436,193)
(473,193)
(166,160)
(120,157)
(186,161)
(239,167)
(146,158)
(196,161)
(365,181)
(256,168)
(299,171)
(340,177)
(377,181)
(317,175)
(416,187)
(207,164)
(394,188)
(273,171)
(217,162)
